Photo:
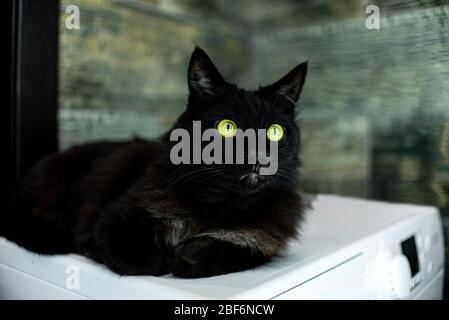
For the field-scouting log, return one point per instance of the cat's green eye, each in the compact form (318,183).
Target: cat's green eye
(275,132)
(227,128)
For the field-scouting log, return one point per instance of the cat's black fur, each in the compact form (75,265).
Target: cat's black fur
(126,205)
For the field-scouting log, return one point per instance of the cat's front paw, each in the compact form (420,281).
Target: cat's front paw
(191,258)
(206,257)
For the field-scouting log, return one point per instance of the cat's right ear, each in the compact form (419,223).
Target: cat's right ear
(290,85)
(203,77)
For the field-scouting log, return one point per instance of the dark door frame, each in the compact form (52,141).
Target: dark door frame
(30,115)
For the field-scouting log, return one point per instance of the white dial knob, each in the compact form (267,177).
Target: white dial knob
(395,276)
(400,276)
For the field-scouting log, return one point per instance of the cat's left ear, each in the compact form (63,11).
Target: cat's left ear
(290,85)
(203,77)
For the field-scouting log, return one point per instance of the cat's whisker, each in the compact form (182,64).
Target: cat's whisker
(190,173)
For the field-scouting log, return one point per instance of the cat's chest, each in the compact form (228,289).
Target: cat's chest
(176,230)
(193,220)
(180,228)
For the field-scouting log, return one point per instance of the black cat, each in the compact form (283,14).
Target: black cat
(126,205)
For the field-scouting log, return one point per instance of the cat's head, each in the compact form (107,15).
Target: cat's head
(223,106)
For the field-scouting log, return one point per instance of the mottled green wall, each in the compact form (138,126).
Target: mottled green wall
(396,79)
(124,72)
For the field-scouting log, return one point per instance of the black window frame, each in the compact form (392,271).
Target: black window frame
(30,115)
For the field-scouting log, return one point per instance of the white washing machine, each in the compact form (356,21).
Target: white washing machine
(349,249)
